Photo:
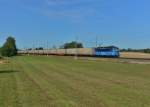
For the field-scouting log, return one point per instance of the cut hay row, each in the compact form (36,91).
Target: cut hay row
(134,55)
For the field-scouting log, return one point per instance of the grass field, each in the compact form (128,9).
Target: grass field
(40,81)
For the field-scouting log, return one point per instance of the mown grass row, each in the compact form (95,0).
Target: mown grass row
(40,81)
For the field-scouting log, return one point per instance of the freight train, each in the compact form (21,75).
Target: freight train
(110,51)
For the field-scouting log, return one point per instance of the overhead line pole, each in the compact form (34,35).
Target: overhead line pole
(96,41)
(76,53)
(47,48)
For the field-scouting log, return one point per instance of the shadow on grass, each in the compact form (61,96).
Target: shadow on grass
(7,71)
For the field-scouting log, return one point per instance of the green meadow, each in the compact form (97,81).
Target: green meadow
(41,81)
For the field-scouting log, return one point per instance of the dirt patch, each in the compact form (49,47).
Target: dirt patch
(140,62)
(3,62)
(119,60)
(135,61)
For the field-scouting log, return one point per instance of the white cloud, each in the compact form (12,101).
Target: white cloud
(75,14)
(66,2)
(70,8)
(62,9)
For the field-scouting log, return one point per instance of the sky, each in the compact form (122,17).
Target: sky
(123,23)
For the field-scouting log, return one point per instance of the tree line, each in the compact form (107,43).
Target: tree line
(136,50)
(68,45)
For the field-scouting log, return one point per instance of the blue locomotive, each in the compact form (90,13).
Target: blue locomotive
(110,51)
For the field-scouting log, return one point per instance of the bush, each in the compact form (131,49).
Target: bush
(72,44)
(9,48)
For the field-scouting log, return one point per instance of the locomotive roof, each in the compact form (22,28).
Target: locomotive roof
(107,47)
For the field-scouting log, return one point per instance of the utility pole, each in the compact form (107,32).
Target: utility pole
(37,48)
(96,42)
(76,47)
(47,48)
(33,49)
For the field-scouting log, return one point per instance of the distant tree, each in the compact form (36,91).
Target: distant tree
(9,48)
(40,48)
(136,50)
(72,44)
(29,49)
(123,50)
(147,50)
